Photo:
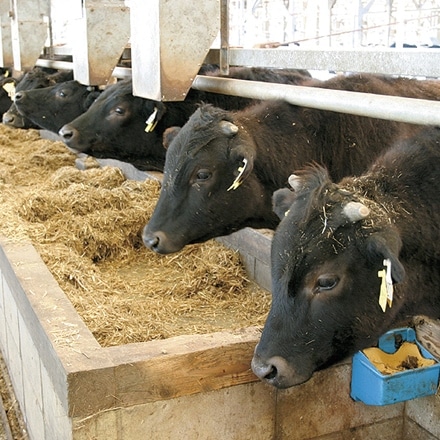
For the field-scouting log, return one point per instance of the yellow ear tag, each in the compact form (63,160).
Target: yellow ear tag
(389,282)
(383,290)
(237,182)
(386,286)
(9,88)
(151,123)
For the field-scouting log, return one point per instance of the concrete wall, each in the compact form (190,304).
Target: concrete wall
(61,374)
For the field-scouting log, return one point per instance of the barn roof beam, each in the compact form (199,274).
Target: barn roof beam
(394,108)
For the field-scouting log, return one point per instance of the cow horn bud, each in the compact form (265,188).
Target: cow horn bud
(228,128)
(356,211)
(295,182)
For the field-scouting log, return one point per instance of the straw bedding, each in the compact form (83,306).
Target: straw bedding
(87,226)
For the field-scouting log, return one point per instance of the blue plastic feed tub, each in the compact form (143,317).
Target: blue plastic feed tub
(370,386)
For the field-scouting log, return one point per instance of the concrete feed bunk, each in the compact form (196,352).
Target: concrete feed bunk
(195,386)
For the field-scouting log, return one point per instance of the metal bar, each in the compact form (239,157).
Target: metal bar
(412,62)
(53,64)
(224,37)
(393,108)
(118,72)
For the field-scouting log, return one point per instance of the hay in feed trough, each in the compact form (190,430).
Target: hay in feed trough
(87,226)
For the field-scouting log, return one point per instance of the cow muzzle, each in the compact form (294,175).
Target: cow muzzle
(277,372)
(159,242)
(69,135)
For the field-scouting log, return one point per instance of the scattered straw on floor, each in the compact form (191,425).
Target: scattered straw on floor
(87,227)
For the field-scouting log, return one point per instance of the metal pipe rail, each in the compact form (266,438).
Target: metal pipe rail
(392,108)
(118,72)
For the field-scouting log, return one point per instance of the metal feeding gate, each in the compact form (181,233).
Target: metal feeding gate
(68,386)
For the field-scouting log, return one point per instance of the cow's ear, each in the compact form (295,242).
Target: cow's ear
(168,135)
(243,158)
(387,245)
(156,107)
(154,111)
(282,200)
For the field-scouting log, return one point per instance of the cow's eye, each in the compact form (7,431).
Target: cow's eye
(203,175)
(119,110)
(326,282)
(61,94)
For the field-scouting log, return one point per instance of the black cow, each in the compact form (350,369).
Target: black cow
(116,125)
(52,107)
(34,79)
(331,247)
(199,201)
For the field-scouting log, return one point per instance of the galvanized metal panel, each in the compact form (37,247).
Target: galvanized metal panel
(411,62)
(6,59)
(101,35)
(170,40)
(29,31)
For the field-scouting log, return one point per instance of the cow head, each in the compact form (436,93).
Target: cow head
(34,79)
(326,255)
(209,183)
(119,125)
(52,107)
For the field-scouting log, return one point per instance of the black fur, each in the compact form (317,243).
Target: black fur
(275,138)
(102,133)
(52,107)
(36,78)
(317,326)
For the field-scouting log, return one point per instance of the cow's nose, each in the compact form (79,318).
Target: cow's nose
(159,242)
(262,369)
(68,133)
(276,371)
(8,118)
(152,240)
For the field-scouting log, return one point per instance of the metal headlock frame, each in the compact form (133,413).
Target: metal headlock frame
(394,108)
(411,62)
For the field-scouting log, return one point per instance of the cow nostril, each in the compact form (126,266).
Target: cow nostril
(262,369)
(151,241)
(66,132)
(272,373)
(8,118)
